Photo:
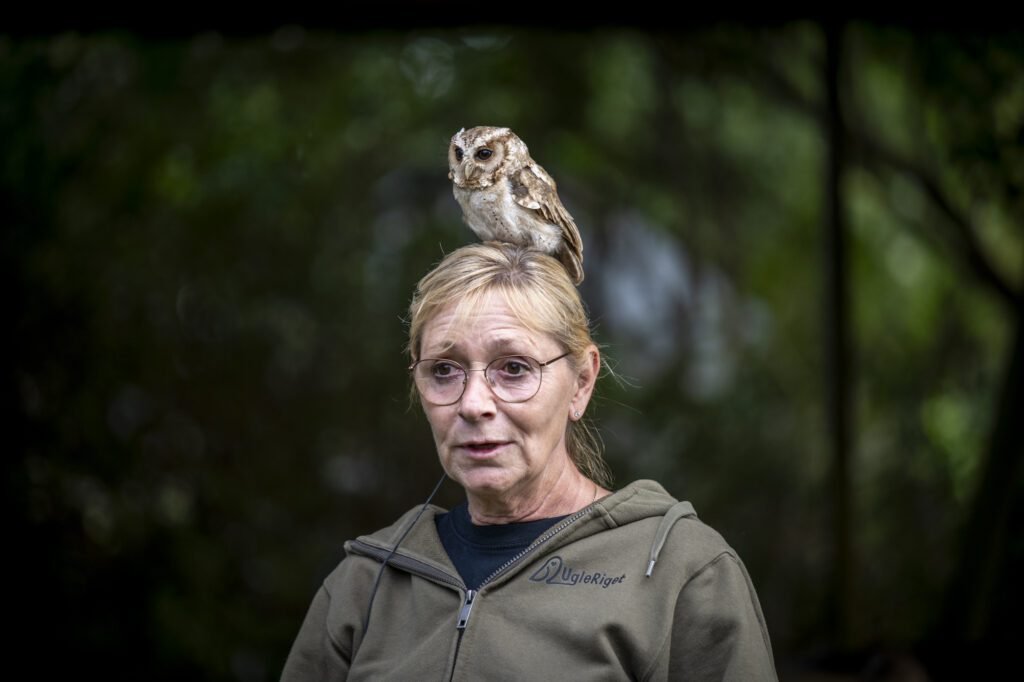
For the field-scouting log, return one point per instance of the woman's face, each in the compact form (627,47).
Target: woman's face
(493,448)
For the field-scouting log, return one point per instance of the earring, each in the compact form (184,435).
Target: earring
(577,414)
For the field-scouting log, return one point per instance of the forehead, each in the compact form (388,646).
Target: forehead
(488,324)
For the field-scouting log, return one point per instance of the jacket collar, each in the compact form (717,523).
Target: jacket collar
(637,501)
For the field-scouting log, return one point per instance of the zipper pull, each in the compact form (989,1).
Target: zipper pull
(467,606)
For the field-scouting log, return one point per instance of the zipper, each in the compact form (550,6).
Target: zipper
(467,604)
(460,626)
(550,533)
(425,570)
(467,608)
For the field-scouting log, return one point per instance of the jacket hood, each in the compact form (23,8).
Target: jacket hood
(640,500)
(643,499)
(575,603)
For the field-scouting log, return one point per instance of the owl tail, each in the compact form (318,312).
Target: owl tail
(573,264)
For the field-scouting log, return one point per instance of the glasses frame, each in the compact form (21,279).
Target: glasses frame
(467,370)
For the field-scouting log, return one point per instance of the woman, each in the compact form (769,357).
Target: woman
(543,572)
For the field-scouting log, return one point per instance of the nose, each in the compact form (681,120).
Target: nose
(478,400)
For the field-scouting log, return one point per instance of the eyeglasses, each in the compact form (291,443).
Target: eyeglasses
(512,378)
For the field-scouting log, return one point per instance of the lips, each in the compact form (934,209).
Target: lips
(482,448)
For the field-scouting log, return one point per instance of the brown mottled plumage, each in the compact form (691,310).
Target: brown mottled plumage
(506,196)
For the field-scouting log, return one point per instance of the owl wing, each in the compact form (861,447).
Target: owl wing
(533,188)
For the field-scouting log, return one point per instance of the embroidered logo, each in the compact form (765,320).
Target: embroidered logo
(557,572)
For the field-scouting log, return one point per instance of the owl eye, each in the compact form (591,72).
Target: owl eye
(484,154)
(458,153)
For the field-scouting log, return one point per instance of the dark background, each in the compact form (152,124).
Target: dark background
(804,258)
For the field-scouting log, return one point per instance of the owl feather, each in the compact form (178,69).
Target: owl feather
(507,196)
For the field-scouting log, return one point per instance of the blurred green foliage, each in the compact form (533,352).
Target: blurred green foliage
(211,243)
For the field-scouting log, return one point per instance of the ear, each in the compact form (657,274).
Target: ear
(585,381)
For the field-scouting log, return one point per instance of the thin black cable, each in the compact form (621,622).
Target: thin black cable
(376,583)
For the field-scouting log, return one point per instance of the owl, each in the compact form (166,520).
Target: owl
(506,196)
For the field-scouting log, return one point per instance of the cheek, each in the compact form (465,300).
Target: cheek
(553,419)
(545,424)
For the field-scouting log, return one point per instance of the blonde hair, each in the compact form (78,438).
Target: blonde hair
(540,294)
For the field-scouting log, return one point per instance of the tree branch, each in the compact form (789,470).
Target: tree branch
(964,233)
(876,155)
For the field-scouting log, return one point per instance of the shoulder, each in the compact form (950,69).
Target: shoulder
(677,540)
(693,553)
(718,628)
(413,534)
(364,554)
(700,542)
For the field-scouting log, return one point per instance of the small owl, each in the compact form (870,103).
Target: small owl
(506,196)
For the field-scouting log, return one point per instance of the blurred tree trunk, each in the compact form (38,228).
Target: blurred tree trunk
(970,600)
(986,571)
(837,374)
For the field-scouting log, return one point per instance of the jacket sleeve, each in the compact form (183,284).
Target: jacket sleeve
(719,631)
(315,655)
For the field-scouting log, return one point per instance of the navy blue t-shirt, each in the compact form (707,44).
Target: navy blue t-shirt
(478,551)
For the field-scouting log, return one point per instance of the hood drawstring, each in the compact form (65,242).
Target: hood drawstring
(676,512)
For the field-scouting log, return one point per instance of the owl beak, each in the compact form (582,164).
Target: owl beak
(470,170)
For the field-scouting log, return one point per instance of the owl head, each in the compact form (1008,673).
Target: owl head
(479,156)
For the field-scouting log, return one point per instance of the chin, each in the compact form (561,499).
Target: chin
(485,481)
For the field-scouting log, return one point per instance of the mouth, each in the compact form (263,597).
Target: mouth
(482,448)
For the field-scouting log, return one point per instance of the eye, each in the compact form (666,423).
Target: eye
(484,154)
(442,370)
(514,367)
(458,153)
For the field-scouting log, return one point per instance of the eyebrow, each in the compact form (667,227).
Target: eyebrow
(500,344)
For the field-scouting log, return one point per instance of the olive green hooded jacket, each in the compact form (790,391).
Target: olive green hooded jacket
(631,587)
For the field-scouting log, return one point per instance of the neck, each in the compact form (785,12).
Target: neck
(565,493)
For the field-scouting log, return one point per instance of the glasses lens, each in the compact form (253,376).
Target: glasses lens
(439,381)
(514,378)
